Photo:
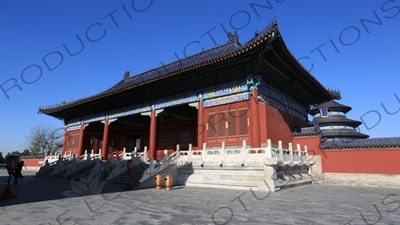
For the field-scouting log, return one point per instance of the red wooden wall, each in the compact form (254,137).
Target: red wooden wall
(280,125)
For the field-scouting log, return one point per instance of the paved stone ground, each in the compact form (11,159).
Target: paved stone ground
(41,201)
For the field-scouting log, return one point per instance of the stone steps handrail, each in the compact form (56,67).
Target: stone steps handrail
(118,167)
(78,166)
(161,165)
(61,167)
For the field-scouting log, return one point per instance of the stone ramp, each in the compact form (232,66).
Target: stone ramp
(136,174)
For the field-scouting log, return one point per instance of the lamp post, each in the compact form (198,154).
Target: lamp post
(12,165)
(129,165)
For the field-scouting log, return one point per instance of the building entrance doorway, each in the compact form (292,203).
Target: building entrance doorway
(132,141)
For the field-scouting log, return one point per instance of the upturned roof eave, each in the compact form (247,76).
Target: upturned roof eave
(303,74)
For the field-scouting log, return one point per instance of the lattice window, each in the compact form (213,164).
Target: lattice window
(221,124)
(232,123)
(243,122)
(211,130)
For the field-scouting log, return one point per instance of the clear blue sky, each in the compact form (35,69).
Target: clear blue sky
(141,35)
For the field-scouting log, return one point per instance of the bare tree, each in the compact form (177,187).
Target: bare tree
(44,140)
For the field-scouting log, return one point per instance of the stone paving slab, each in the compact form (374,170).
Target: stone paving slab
(41,201)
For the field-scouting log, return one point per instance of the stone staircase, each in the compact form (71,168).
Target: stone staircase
(136,174)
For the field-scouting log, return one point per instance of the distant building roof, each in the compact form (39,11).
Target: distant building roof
(306,131)
(337,120)
(387,142)
(343,133)
(331,105)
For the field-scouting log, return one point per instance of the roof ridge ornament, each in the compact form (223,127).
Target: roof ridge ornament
(233,38)
(126,75)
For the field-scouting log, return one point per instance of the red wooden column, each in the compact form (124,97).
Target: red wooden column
(64,147)
(201,129)
(80,150)
(255,118)
(153,131)
(105,139)
(104,146)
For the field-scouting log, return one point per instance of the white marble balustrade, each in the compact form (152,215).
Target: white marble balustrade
(244,154)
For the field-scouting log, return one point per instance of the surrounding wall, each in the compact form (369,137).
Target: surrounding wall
(32,163)
(362,167)
(378,167)
(372,161)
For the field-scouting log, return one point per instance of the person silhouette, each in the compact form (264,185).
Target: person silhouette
(17,173)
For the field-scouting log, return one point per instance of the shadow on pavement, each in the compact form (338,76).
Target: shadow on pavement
(36,189)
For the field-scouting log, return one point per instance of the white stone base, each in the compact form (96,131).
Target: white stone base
(240,177)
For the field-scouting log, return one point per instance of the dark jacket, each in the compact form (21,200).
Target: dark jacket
(17,172)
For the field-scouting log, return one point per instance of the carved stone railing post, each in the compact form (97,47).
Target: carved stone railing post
(280,150)
(298,152)
(134,153)
(268,151)
(222,152)
(145,154)
(291,151)
(244,152)
(100,155)
(165,154)
(306,153)
(203,153)
(190,152)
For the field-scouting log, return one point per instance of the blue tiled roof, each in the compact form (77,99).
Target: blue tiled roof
(127,82)
(306,131)
(221,54)
(389,142)
(344,133)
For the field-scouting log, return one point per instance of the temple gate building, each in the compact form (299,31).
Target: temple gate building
(255,93)
(233,92)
